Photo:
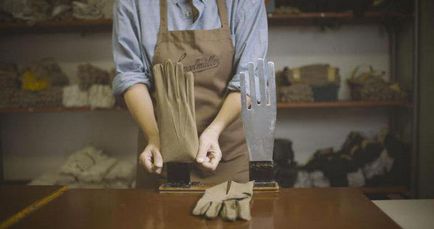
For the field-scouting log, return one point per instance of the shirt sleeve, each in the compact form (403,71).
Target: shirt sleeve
(251,38)
(131,68)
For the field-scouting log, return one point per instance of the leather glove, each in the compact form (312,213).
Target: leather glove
(235,204)
(176,112)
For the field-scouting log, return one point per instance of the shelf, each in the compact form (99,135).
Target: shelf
(54,109)
(338,104)
(273,19)
(332,17)
(58,26)
(344,104)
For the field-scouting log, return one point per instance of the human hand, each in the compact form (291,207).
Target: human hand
(151,158)
(209,154)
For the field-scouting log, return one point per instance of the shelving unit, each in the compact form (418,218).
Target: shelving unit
(302,19)
(345,104)
(53,110)
(273,19)
(301,105)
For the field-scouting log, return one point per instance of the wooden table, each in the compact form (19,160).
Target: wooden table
(289,208)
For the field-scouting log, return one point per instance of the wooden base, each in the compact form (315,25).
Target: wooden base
(200,188)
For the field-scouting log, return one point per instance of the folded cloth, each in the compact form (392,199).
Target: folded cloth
(101,96)
(55,178)
(303,180)
(122,171)
(74,97)
(319,180)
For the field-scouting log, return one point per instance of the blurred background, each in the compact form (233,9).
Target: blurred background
(354,88)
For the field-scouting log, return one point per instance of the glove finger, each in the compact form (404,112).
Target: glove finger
(244,209)
(181,82)
(213,210)
(169,74)
(190,89)
(229,210)
(201,207)
(160,86)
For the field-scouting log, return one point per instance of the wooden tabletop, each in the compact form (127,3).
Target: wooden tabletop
(15,198)
(135,208)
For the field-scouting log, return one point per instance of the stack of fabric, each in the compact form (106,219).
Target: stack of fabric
(8,83)
(371,86)
(33,11)
(360,162)
(94,89)
(39,85)
(316,82)
(91,168)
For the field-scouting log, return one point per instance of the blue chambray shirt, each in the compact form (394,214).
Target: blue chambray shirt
(136,25)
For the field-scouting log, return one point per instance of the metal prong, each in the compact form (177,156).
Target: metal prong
(271,83)
(261,73)
(252,85)
(243,86)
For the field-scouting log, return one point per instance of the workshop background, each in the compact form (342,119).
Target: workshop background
(354,87)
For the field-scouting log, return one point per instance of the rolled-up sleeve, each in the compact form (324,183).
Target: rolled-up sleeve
(130,66)
(251,38)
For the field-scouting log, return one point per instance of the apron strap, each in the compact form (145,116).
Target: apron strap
(163,16)
(223,13)
(164,27)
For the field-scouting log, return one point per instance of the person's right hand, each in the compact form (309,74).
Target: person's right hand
(151,157)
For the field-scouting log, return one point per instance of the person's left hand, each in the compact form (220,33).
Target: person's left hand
(209,154)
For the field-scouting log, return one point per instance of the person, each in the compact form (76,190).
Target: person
(215,39)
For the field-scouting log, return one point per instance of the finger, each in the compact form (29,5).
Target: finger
(190,89)
(229,210)
(262,82)
(213,159)
(214,209)
(243,91)
(169,75)
(158,159)
(146,161)
(202,153)
(272,83)
(216,157)
(244,209)
(252,86)
(182,82)
(201,207)
(160,86)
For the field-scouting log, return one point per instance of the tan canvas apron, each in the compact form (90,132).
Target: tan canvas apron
(209,54)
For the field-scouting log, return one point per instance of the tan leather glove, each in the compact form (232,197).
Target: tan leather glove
(176,112)
(235,204)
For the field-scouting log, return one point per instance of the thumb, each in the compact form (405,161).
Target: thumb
(158,159)
(202,153)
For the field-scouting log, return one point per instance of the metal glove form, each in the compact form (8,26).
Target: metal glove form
(259,119)
(231,205)
(176,112)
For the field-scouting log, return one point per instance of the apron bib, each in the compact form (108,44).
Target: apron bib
(209,54)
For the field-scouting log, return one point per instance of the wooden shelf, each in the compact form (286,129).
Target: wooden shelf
(54,109)
(58,26)
(273,19)
(344,104)
(337,104)
(331,17)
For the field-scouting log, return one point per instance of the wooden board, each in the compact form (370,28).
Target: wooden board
(200,188)
(135,208)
